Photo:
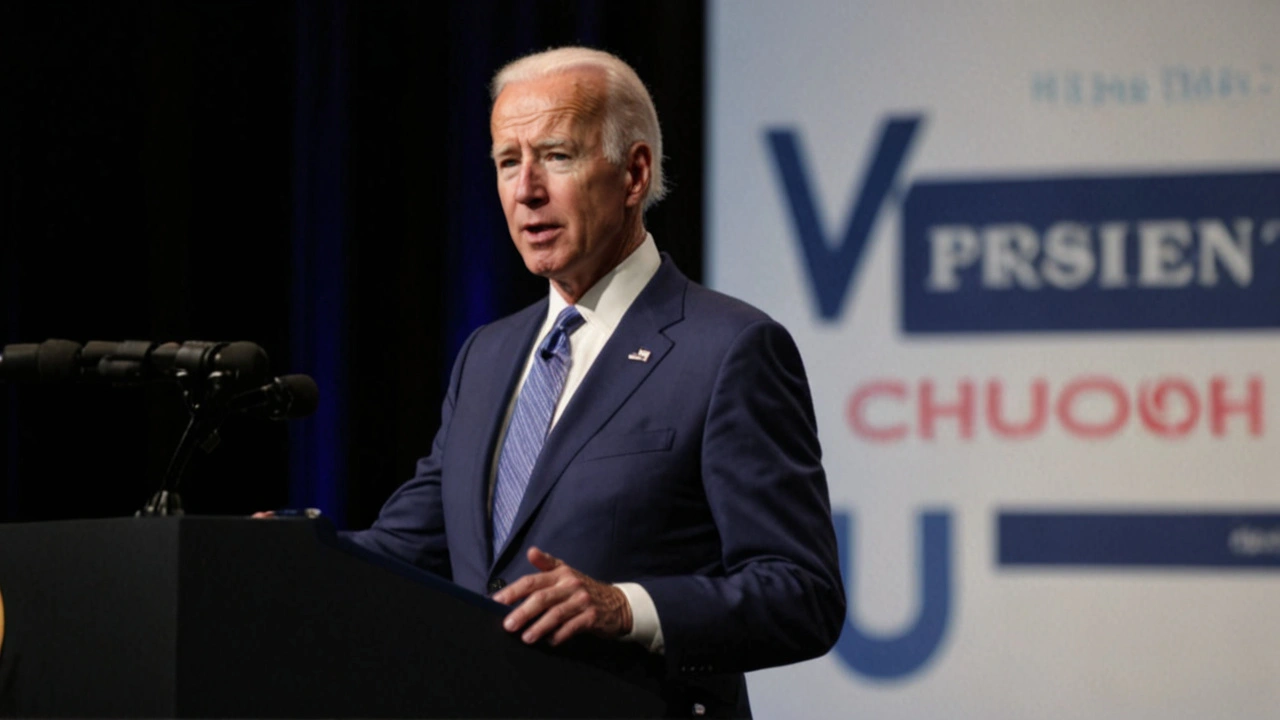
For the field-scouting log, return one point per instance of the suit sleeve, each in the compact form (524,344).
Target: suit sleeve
(779,598)
(410,526)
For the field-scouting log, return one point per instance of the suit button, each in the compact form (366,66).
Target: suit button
(496,584)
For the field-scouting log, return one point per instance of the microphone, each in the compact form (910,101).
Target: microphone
(284,398)
(133,361)
(212,375)
(49,361)
(240,360)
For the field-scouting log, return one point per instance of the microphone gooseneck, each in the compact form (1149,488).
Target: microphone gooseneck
(284,398)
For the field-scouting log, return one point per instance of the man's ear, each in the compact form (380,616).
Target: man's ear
(638,168)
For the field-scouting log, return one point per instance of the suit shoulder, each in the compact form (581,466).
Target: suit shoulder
(706,306)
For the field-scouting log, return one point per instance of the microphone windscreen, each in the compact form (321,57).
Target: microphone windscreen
(20,361)
(95,350)
(57,360)
(247,360)
(303,393)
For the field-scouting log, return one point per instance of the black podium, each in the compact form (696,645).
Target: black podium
(237,618)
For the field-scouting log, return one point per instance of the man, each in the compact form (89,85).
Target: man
(677,499)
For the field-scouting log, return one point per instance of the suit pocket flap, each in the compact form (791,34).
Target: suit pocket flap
(629,444)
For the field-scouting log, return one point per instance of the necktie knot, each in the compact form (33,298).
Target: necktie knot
(557,341)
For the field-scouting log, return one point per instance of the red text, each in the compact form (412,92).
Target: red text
(1090,407)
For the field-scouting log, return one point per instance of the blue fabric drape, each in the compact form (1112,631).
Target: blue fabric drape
(318,308)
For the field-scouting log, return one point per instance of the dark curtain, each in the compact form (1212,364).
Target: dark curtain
(310,176)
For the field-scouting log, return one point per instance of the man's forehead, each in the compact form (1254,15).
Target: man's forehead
(553,100)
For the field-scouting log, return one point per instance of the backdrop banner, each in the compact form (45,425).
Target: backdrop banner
(1031,255)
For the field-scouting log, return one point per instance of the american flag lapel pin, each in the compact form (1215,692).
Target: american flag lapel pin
(642,355)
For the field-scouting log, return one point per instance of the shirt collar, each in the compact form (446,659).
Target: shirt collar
(610,298)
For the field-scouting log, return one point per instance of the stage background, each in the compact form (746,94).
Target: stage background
(1028,251)
(310,176)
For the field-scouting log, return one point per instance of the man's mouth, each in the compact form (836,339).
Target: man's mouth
(540,232)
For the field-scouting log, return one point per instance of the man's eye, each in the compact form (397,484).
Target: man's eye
(507,162)
(558,156)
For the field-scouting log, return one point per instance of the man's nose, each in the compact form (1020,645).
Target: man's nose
(531,186)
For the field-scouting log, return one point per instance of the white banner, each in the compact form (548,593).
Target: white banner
(1031,255)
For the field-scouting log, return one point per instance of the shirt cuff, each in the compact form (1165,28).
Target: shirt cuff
(646,630)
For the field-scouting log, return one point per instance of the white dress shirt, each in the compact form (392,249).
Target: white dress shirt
(602,308)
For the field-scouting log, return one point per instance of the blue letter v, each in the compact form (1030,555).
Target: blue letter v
(832,266)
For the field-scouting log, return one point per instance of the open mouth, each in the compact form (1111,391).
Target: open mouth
(540,232)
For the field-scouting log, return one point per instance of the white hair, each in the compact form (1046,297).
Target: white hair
(629,114)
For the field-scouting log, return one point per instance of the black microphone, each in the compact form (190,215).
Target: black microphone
(284,398)
(49,361)
(133,361)
(242,360)
(140,361)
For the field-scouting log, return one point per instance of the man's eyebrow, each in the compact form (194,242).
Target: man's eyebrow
(551,143)
(546,144)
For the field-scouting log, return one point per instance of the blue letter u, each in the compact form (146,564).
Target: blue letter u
(893,657)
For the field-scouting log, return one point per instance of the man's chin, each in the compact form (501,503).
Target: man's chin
(543,264)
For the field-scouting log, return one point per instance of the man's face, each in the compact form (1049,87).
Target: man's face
(567,207)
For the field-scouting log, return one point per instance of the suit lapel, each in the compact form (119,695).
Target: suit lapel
(611,381)
(504,360)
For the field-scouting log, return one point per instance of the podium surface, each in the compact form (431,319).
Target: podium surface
(230,617)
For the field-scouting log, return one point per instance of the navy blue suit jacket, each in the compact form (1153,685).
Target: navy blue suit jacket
(696,474)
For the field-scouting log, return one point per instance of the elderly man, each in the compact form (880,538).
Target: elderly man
(635,456)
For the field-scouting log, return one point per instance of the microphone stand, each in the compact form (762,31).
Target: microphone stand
(208,410)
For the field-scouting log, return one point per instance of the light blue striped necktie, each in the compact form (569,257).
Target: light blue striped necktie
(531,421)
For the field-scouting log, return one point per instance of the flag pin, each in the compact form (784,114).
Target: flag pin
(642,355)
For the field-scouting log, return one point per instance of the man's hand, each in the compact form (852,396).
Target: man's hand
(565,601)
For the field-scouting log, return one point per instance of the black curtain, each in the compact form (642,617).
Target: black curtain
(310,176)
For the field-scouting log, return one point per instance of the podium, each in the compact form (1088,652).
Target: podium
(228,617)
